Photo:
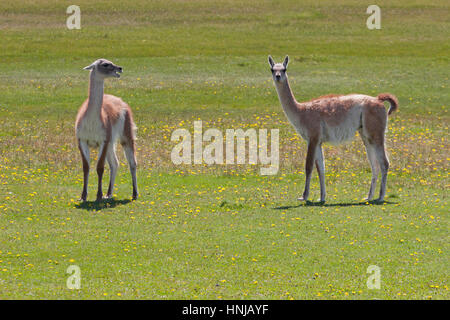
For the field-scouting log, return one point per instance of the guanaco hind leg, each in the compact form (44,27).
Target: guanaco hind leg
(320,166)
(85,157)
(130,154)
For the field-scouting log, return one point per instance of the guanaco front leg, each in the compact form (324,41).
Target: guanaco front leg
(310,158)
(101,169)
(113,162)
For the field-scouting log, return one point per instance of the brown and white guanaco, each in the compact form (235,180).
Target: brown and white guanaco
(103,120)
(335,119)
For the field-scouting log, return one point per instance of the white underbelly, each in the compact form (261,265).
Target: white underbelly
(338,134)
(94,134)
(343,131)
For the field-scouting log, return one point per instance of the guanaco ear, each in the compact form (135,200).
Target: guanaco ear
(271,62)
(89,67)
(285,62)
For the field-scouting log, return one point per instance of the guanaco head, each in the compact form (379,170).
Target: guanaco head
(278,69)
(104,69)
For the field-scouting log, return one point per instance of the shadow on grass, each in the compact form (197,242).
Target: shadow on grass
(100,205)
(324,204)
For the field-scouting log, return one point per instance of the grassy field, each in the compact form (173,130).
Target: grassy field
(222,231)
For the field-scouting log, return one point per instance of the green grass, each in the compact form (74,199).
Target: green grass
(209,232)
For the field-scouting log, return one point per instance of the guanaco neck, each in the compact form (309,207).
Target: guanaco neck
(96,89)
(287,99)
